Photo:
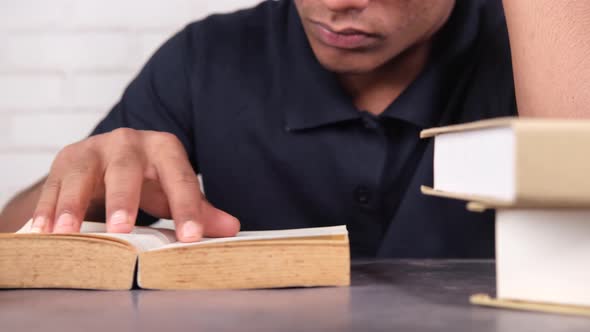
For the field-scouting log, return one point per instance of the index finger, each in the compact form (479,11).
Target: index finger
(181,186)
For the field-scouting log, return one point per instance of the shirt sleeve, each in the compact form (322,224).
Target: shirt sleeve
(158,99)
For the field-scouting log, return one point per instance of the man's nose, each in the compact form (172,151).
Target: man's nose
(346,5)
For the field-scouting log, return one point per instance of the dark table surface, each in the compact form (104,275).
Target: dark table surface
(412,295)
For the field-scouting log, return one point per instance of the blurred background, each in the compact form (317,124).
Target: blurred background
(64,63)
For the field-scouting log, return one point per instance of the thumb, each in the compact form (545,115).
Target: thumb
(217,223)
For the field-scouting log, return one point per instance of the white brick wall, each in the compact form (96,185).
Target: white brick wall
(64,63)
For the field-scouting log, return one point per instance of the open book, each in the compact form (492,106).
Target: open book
(95,259)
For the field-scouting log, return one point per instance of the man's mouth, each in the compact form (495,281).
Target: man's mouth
(349,38)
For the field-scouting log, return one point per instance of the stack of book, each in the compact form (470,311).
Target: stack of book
(536,174)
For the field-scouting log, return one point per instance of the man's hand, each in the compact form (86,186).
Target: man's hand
(126,170)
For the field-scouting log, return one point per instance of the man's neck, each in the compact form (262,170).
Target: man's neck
(375,91)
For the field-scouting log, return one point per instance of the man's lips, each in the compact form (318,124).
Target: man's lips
(346,38)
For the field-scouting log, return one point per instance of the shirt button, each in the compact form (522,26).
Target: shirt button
(369,120)
(370,123)
(362,195)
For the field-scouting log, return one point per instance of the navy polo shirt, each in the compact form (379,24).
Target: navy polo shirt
(280,144)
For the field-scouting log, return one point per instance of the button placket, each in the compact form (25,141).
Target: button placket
(362,195)
(369,121)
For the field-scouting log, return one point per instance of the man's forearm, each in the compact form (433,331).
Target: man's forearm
(550,42)
(19,209)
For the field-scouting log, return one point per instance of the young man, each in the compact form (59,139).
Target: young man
(307,112)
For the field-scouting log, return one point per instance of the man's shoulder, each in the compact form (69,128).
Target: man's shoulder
(493,24)
(492,46)
(481,85)
(490,85)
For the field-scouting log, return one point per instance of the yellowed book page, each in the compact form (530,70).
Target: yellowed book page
(267,235)
(143,238)
(149,238)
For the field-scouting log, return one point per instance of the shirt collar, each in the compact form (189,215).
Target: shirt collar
(424,100)
(312,97)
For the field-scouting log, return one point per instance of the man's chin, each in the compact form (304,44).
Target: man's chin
(347,67)
(348,63)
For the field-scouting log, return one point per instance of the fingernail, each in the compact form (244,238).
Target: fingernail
(191,229)
(65,223)
(38,225)
(119,217)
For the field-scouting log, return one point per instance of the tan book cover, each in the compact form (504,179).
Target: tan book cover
(95,259)
(520,162)
(487,301)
